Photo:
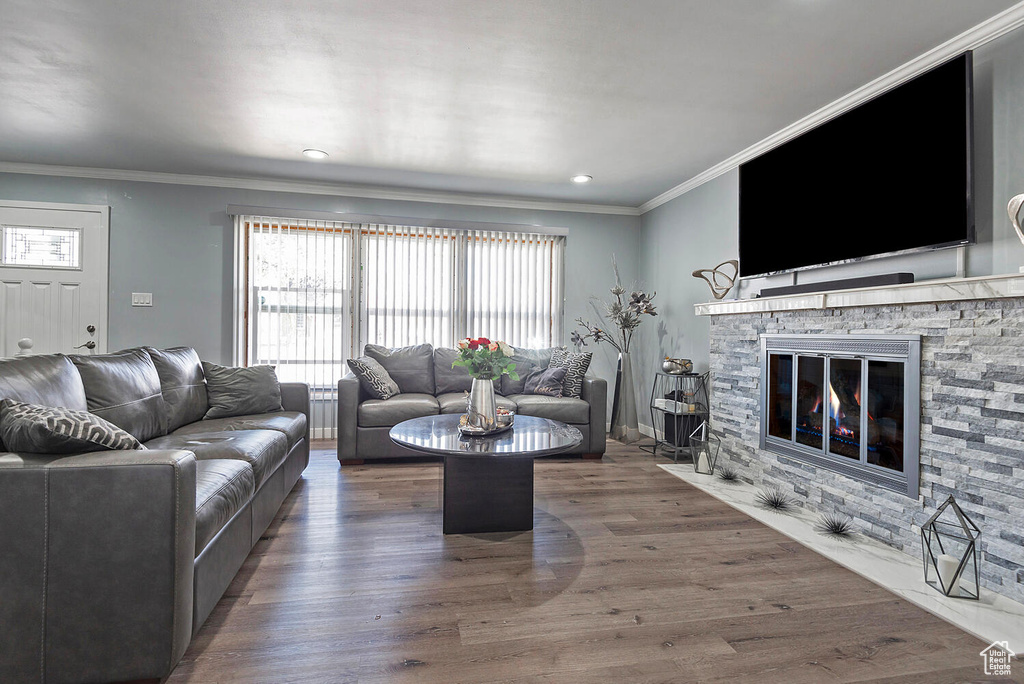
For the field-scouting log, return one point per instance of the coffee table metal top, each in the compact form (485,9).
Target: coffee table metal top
(529,436)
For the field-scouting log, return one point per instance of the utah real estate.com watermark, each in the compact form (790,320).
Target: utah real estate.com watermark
(998,657)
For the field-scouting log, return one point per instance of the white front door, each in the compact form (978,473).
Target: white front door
(53,277)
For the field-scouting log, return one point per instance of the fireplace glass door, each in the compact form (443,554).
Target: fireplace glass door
(844,428)
(885,414)
(810,381)
(780,415)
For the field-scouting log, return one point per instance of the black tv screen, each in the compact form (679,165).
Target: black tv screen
(890,175)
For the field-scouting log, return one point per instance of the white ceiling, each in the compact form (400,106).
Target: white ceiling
(502,97)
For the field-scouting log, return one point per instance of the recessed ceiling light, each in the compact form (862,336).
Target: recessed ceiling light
(315,154)
(581,178)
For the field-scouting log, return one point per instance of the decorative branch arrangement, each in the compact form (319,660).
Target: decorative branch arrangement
(625,315)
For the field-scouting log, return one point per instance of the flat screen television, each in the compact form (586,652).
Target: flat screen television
(891,175)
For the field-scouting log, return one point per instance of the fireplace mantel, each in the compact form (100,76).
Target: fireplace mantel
(926,291)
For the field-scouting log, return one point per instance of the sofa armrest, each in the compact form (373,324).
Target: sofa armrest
(348,416)
(295,397)
(595,393)
(96,563)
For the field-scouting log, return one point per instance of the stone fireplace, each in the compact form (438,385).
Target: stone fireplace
(847,403)
(843,454)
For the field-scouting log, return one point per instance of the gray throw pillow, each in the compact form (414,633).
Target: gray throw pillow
(31,428)
(412,368)
(575,366)
(545,381)
(374,379)
(182,383)
(235,391)
(523,369)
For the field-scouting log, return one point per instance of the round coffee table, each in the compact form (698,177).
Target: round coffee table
(488,481)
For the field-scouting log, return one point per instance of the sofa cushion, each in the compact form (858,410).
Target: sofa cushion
(264,450)
(564,409)
(182,384)
(124,388)
(446,378)
(411,367)
(46,380)
(575,365)
(54,430)
(373,378)
(223,487)
(455,402)
(291,423)
(391,412)
(235,391)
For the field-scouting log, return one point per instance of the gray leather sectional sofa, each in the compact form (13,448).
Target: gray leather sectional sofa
(431,386)
(110,561)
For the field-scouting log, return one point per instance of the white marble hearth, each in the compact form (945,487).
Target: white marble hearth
(991,618)
(944,290)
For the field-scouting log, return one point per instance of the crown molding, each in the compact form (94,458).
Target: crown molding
(313,188)
(972,38)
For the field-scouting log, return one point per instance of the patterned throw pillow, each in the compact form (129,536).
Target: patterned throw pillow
(374,379)
(575,366)
(49,430)
(546,381)
(235,391)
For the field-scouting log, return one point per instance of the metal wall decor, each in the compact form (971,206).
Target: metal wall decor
(704,448)
(718,280)
(1013,209)
(950,548)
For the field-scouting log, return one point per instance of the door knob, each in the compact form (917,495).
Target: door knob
(88,345)
(91,329)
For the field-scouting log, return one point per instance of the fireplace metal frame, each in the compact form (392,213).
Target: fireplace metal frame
(905,349)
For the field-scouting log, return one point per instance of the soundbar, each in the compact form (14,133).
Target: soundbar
(845,284)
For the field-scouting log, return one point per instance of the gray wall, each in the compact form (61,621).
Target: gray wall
(700,229)
(176,242)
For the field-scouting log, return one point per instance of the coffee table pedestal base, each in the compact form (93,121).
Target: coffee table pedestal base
(487,495)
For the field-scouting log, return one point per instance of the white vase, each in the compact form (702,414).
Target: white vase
(625,426)
(482,409)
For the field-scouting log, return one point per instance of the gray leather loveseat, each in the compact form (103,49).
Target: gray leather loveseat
(430,386)
(110,561)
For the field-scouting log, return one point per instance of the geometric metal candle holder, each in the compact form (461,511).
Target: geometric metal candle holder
(704,448)
(950,542)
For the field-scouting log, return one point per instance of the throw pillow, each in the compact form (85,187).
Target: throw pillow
(374,379)
(412,368)
(546,381)
(234,391)
(575,366)
(50,430)
(523,369)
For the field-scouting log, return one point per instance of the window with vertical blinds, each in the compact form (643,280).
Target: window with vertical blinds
(312,293)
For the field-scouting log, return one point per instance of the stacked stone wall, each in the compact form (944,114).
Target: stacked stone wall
(972,422)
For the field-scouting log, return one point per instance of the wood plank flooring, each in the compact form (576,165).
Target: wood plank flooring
(630,575)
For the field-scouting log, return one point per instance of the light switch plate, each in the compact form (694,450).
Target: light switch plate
(142,299)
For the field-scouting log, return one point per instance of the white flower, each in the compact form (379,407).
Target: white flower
(506,350)
(463,344)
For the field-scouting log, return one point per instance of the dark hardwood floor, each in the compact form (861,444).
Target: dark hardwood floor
(630,575)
